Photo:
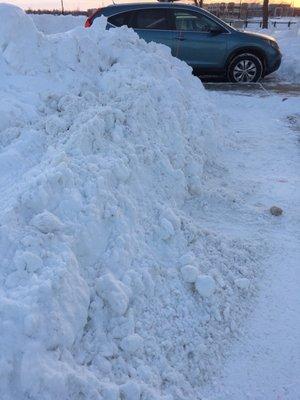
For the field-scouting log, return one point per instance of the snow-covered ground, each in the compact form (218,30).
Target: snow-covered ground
(265,361)
(135,236)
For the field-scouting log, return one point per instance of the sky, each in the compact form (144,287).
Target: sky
(50,4)
(84,4)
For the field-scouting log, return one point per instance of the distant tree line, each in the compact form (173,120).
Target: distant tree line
(198,3)
(57,12)
(265,21)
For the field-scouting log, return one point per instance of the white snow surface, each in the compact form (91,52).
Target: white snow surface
(289,42)
(49,24)
(264,362)
(110,160)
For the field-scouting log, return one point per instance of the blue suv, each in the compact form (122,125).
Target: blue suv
(203,41)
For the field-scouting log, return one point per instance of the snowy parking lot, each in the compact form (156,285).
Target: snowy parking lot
(139,257)
(264,162)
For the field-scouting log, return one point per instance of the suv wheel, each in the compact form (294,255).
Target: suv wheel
(245,68)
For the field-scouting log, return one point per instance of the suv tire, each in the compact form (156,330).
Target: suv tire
(245,68)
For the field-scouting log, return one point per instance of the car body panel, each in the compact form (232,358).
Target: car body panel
(201,50)
(159,36)
(259,35)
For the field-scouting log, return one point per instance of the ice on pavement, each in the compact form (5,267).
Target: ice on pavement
(109,285)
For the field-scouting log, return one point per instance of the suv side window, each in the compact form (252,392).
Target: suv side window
(124,18)
(151,18)
(192,21)
(148,18)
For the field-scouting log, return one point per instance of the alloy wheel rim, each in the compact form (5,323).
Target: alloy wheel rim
(244,71)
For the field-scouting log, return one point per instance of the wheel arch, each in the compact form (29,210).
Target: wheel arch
(251,50)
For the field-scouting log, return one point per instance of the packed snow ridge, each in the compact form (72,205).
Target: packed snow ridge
(50,24)
(109,286)
(289,42)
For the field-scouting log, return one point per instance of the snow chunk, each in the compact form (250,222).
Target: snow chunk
(113,291)
(205,285)
(110,392)
(29,261)
(130,391)
(242,283)
(187,258)
(46,222)
(167,229)
(132,343)
(15,48)
(31,324)
(189,273)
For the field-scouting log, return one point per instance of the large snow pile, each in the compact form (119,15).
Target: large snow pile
(49,24)
(109,285)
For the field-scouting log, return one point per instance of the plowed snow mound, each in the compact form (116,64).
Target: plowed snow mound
(50,24)
(109,287)
(289,42)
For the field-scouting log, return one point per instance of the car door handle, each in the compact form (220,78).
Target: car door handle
(180,38)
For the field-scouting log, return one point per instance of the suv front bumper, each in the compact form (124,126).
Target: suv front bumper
(275,64)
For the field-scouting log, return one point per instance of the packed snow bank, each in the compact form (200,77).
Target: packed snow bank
(289,43)
(49,24)
(109,286)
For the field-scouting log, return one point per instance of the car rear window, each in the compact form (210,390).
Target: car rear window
(149,18)
(123,18)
